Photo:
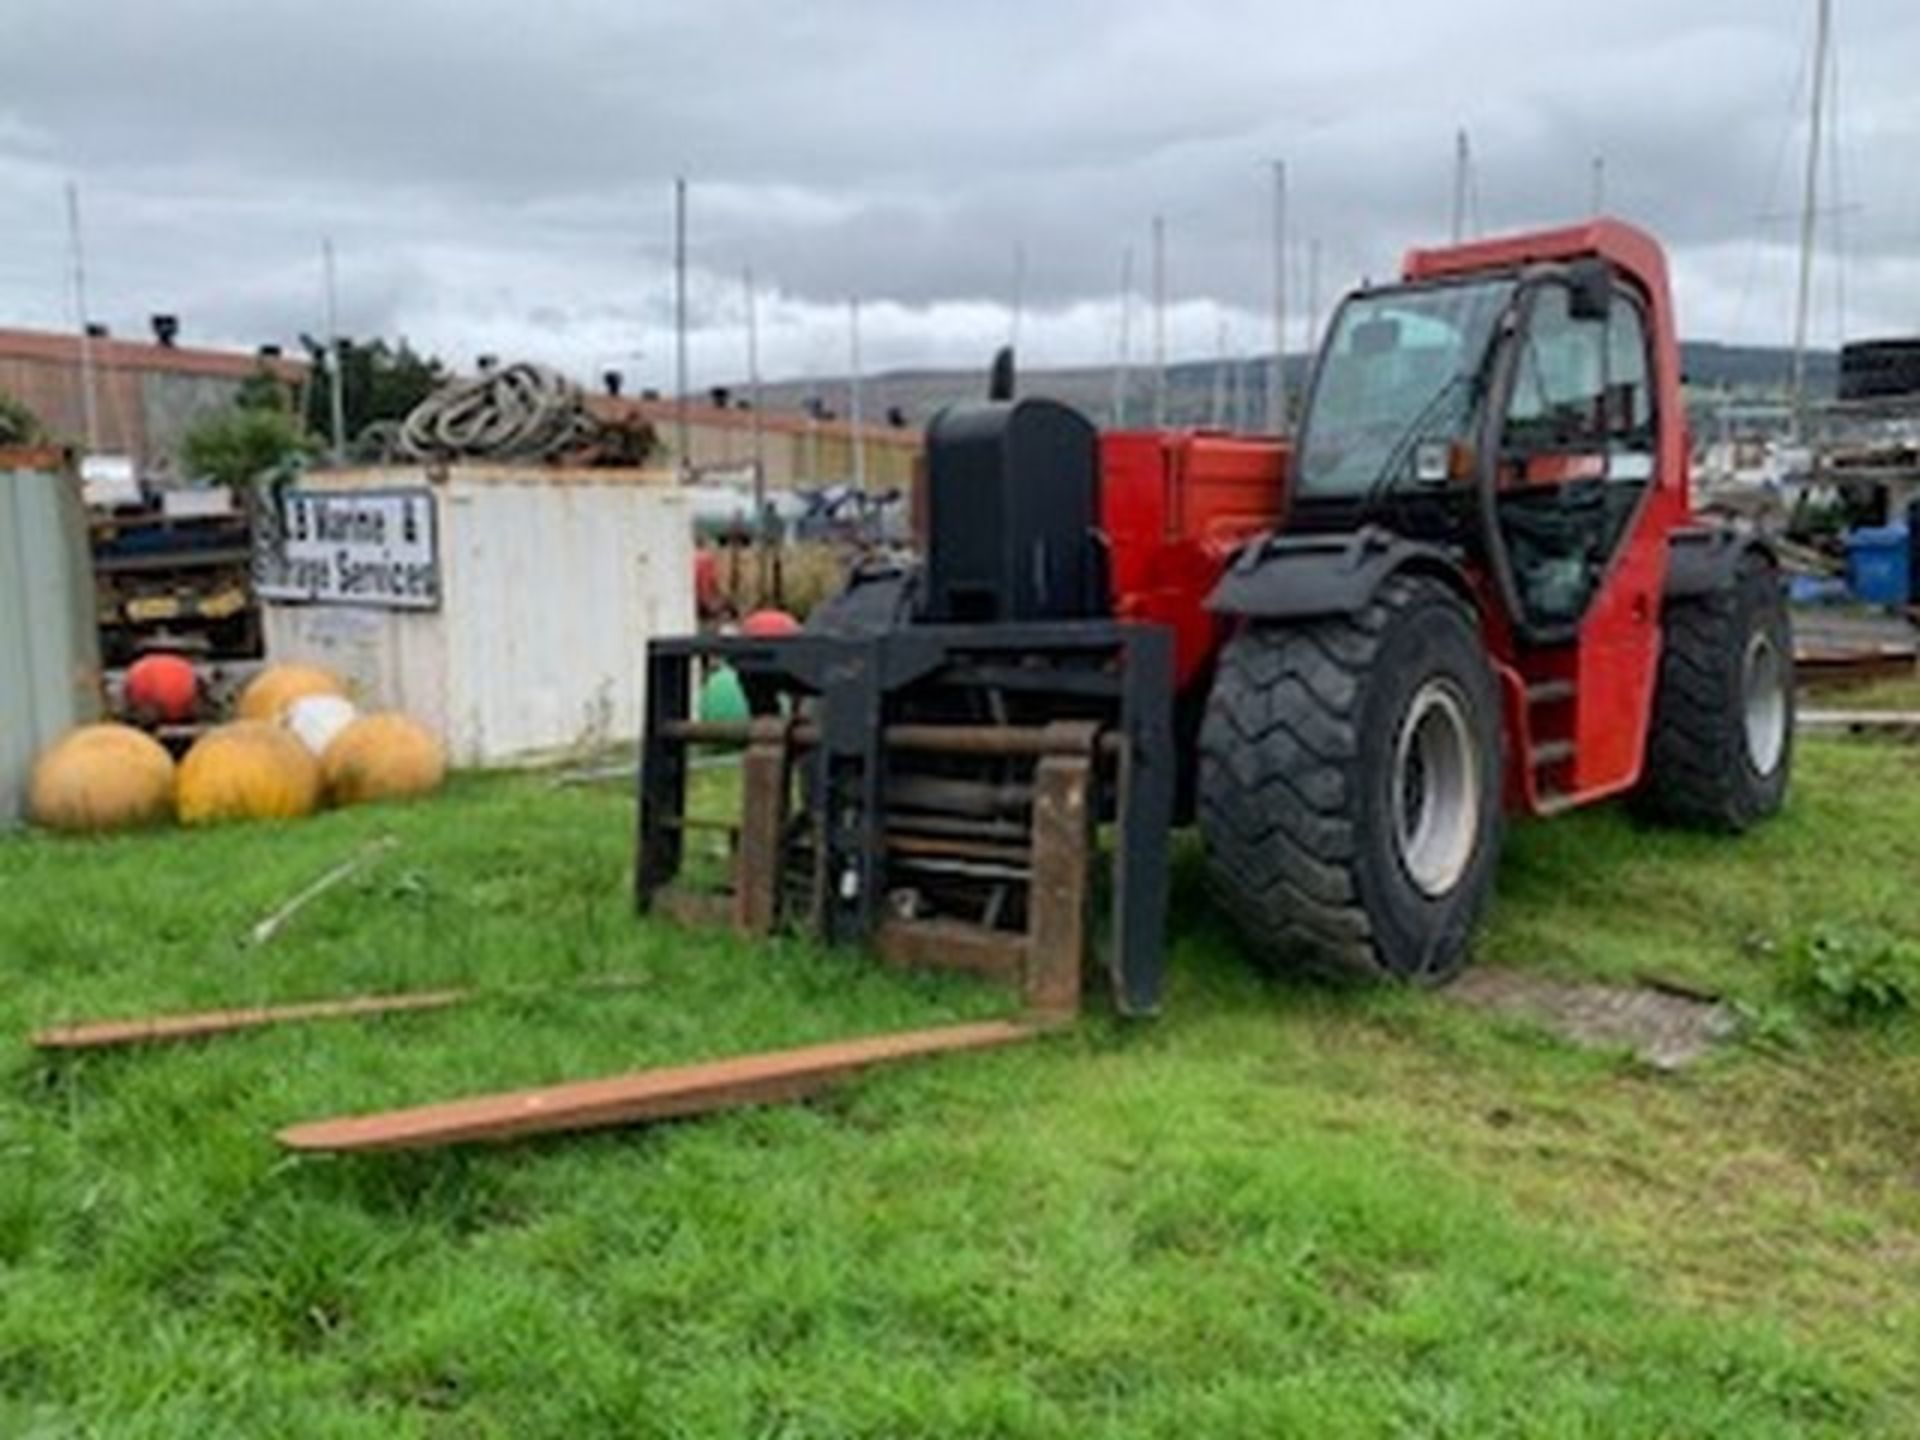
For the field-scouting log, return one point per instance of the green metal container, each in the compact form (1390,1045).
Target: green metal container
(49,636)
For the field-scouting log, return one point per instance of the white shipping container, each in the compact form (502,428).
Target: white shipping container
(551,583)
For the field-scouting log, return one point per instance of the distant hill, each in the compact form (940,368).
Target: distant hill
(1711,365)
(1199,390)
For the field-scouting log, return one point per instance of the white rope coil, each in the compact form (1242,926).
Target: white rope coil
(519,412)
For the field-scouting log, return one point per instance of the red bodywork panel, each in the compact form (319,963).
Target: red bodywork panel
(1175,505)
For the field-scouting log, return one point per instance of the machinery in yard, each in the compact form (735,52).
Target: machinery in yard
(1471,587)
(1474,588)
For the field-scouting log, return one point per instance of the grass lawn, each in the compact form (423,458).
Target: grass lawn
(1280,1210)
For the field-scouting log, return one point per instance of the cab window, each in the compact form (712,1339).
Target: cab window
(1629,386)
(1560,385)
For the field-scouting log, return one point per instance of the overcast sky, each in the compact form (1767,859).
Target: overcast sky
(497,177)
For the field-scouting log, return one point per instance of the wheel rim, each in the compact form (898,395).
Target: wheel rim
(1436,789)
(1764,691)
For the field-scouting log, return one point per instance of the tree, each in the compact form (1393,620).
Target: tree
(235,446)
(18,425)
(264,390)
(378,382)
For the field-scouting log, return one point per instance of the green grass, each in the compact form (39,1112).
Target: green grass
(1280,1210)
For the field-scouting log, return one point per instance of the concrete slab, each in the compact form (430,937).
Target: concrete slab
(1663,1028)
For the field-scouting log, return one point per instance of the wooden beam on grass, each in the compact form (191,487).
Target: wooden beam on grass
(1825,668)
(158,1029)
(205,1024)
(1862,724)
(644,1095)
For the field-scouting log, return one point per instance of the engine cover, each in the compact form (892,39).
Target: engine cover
(1012,507)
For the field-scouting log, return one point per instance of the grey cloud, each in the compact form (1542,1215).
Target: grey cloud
(497,177)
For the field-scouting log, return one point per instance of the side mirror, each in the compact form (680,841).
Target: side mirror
(1592,286)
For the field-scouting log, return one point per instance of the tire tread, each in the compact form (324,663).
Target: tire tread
(1279,761)
(1696,771)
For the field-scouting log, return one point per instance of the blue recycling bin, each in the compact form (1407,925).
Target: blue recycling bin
(1879,567)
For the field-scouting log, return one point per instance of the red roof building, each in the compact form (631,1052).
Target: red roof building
(799,451)
(146,394)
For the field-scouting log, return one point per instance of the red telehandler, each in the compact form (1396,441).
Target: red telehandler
(1472,587)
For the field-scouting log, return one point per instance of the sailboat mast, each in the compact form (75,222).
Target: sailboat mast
(1462,179)
(1159,322)
(682,427)
(1278,420)
(1809,203)
(856,420)
(1123,362)
(758,433)
(89,401)
(336,355)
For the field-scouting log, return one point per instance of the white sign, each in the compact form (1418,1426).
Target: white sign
(354,547)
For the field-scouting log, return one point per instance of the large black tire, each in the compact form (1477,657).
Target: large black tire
(1306,787)
(1720,752)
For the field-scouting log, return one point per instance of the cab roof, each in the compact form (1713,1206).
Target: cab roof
(1629,248)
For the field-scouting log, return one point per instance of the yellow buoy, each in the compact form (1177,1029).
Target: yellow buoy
(270,692)
(101,777)
(382,757)
(247,770)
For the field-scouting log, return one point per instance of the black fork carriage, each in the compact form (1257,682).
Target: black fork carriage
(936,792)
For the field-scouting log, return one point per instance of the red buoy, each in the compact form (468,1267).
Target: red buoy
(707,595)
(162,687)
(769,624)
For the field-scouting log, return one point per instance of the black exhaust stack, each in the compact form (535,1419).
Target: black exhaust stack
(1000,375)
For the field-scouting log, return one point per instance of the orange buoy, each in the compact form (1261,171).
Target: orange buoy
(101,777)
(270,692)
(247,770)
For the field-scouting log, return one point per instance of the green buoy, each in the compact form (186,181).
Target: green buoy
(721,697)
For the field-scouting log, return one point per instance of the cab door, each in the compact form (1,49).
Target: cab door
(1575,541)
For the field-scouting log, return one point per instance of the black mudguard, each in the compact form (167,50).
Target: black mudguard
(1704,558)
(1304,577)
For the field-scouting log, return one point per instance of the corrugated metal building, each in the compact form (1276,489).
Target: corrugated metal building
(49,649)
(147,395)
